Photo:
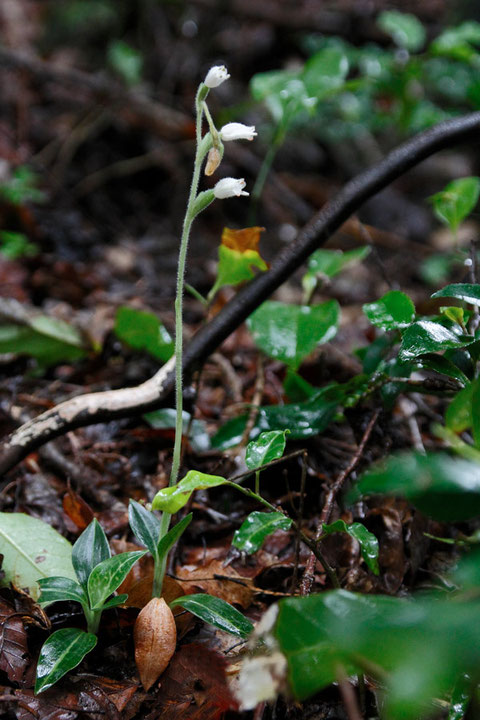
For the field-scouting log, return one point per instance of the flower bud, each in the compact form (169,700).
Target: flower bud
(237,131)
(216,76)
(229,187)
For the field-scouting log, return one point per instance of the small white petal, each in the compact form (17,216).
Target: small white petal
(216,76)
(237,131)
(229,187)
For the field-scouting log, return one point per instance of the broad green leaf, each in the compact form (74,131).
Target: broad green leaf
(89,550)
(217,612)
(172,499)
(458,416)
(284,93)
(32,550)
(125,61)
(291,332)
(108,575)
(168,540)
(54,589)
(325,72)
(145,526)
(23,340)
(331,262)
(267,447)
(257,526)
(441,364)
(142,330)
(456,201)
(443,487)
(166,417)
(467,292)
(61,652)
(426,336)
(57,330)
(392,311)
(235,267)
(367,540)
(406,30)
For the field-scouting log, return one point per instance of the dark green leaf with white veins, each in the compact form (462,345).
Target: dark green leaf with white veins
(90,549)
(217,612)
(392,311)
(257,526)
(172,499)
(291,332)
(468,292)
(55,589)
(169,540)
(367,540)
(145,526)
(443,487)
(427,336)
(267,447)
(61,652)
(108,575)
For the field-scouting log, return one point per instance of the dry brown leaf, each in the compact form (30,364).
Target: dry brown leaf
(155,638)
(215,579)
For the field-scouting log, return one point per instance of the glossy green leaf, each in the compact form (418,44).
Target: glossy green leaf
(415,647)
(267,447)
(304,419)
(392,311)
(166,418)
(142,330)
(61,652)
(89,550)
(453,204)
(108,575)
(216,612)
(367,540)
(235,267)
(55,589)
(32,550)
(256,527)
(443,487)
(406,30)
(145,526)
(441,364)
(332,262)
(172,499)
(169,540)
(291,332)
(468,292)
(426,336)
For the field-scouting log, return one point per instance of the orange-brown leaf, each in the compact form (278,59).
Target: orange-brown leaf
(242,240)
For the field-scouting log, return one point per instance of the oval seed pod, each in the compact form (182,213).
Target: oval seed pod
(155,638)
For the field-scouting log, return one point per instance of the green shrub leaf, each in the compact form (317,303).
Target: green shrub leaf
(256,527)
(392,311)
(426,336)
(367,540)
(468,292)
(267,447)
(142,330)
(453,204)
(172,499)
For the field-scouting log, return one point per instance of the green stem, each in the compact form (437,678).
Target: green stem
(257,481)
(93,619)
(160,566)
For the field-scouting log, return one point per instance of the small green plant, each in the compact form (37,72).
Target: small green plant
(98,575)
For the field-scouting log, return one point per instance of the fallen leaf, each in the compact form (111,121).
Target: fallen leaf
(155,638)
(215,579)
(13,643)
(77,510)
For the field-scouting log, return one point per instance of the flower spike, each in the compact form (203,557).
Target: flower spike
(229,187)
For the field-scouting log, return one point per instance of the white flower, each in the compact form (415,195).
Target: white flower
(237,131)
(216,76)
(229,187)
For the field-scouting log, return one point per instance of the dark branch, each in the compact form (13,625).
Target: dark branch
(101,407)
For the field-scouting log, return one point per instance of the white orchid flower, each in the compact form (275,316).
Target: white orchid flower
(229,187)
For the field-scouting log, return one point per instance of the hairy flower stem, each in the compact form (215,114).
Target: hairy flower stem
(182,258)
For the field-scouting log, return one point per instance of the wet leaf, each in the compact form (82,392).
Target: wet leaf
(32,550)
(443,487)
(291,332)
(267,447)
(426,336)
(61,652)
(392,311)
(108,575)
(467,292)
(13,643)
(172,499)
(155,638)
(89,550)
(367,540)
(216,612)
(55,589)
(441,364)
(142,330)
(257,526)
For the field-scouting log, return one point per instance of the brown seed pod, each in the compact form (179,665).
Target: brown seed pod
(213,161)
(155,638)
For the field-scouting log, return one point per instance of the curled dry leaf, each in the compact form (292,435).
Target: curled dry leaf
(155,638)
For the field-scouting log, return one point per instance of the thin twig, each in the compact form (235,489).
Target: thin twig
(348,695)
(332,492)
